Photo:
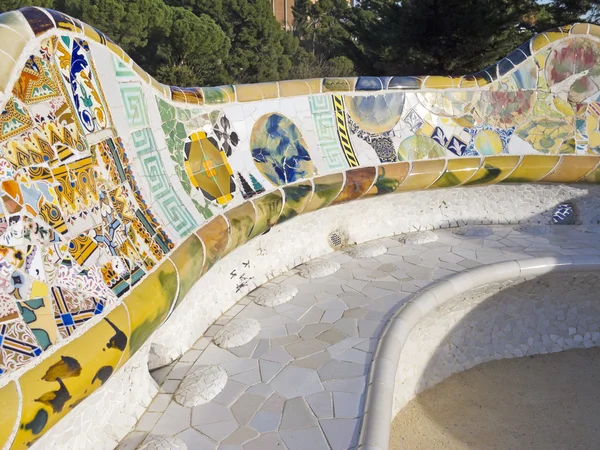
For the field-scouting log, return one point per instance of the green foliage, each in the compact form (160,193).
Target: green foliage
(212,42)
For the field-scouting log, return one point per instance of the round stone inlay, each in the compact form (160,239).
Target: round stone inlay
(474,231)
(201,386)
(274,295)
(237,332)
(318,269)
(155,442)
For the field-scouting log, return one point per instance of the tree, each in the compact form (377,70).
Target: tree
(260,49)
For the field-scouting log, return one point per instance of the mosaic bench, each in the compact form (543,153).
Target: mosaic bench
(118,193)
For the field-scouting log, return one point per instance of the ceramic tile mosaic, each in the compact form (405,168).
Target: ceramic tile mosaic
(117,193)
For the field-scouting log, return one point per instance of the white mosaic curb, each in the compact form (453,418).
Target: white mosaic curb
(163,443)
(375,430)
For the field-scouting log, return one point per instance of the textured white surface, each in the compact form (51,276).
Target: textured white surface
(367,250)
(201,386)
(302,380)
(114,408)
(273,295)
(516,318)
(237,332)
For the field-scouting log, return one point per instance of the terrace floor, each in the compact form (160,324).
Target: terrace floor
(300,384)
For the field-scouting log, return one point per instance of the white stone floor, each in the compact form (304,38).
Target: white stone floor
(300,383)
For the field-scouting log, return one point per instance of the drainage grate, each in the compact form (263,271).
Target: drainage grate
(338,239)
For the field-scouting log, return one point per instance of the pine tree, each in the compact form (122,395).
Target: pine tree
(257,186)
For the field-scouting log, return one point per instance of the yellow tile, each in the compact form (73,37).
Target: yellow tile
(141,72)
(358,182)
(268,208)
(189,260)
(389,177)
(149,303)
(580,28)
(571,169)
(218,94)
(215,235)
(538,42)
(326,189)
(9,405)
(6,67)
(18,23)
(294,88)
(494,169)
(254,92)
(338,84)
(315,85)
(458,171)
(241,222)
(58,383)
(438,82)
(532,168)
(92,34)
(11,42)
(297,197)
(116,49)
(422,174)
(468,82)
(594,30)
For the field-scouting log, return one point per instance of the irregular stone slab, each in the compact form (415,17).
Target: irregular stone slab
(368,251)
(474,231)
(318,269)
(419,237)
(276,295)
(163,443)
(201,386)
(237,333)
(534,229)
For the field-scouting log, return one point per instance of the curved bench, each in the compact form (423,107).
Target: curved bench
(381,403)
(119,193)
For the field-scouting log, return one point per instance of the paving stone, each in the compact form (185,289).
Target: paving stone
(331,336)
(240,436)
(354,385)
(277,355)
(246,406)
(355,356)
(315,361)
(331,315)
(147,421)
(160,402)
(313,330)
(262,348)
(230,393)
(341,434)
(296,414)
(305,438)
(296,382)
(210,413)
(213,355)
(346,405)
(355,313)
(284,340)
(262,389)
(264,421)
(335,370)
(305,348)
(274,403)
(196,440)
(250,377)
(321,404)
(268,369)
(132,440)
(267,441)
(219,430)
(175,419)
